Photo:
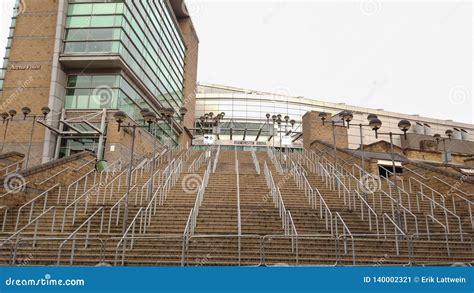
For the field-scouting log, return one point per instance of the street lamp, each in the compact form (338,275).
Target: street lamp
(404,126)
(26,114)
(346,117)
(449,134)
(120,118)
(5,118)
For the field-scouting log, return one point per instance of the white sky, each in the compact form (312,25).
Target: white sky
(409,57)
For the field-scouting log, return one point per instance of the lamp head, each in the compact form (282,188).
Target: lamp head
(12,113)
(45,110)
(449,133)
(26,111)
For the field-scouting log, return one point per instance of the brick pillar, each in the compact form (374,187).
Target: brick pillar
(313,129)
(190,74)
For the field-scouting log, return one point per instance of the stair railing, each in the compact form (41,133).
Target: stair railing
(454,192)
(86,164)
(84,179)
(52,177)
(276,163)
(118,207)
(196,164)
(216,159)
(239,222)
(72,236)
(287,221)
(18,233)
(36,222)
(42,197)
(12,168)
(130,229)
(446,212)
(393,204)
(414,172)
(193,214)
(370,213)
(313,194)
(445,228)
(398,232)
(345,234)
(255,162)
(415,183)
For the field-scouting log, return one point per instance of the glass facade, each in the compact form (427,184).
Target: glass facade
(247,109)
(144,34)
(111,91)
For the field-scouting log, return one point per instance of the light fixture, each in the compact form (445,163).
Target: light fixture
(375,124)
(404,126)
(120,117)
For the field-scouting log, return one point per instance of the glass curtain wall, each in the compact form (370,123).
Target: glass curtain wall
(146,37)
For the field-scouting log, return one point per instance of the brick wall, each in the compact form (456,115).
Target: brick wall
(315,130)
(33,44)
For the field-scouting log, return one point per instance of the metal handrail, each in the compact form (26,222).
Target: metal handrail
(239,222)
(421,184)
(123,240)
(393,202)
(469,203)
(416,173)
(397,247)
(276,163)
(73,235)
(35,220)
(216,159)
(32,203)
(76,183)
(311,191)
(15,190)
(344,230)
(193,214)
(17,167)
(52,177)
(369,210)
(287,222)
(87,163)
(196,164)
(117,206)
(390,173)
(446,211)
(255,162)
(446,231)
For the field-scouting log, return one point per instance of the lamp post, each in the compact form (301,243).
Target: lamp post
(6,117)
(449,134)
(346,116)
(361,133)
(404,126)
(120,118)
(26,115)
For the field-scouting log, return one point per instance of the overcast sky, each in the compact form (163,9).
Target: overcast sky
(409,57)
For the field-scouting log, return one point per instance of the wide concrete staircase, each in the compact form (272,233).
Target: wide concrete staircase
(69,214)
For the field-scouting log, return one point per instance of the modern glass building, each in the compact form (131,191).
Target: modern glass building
(247,109)
(102,54)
